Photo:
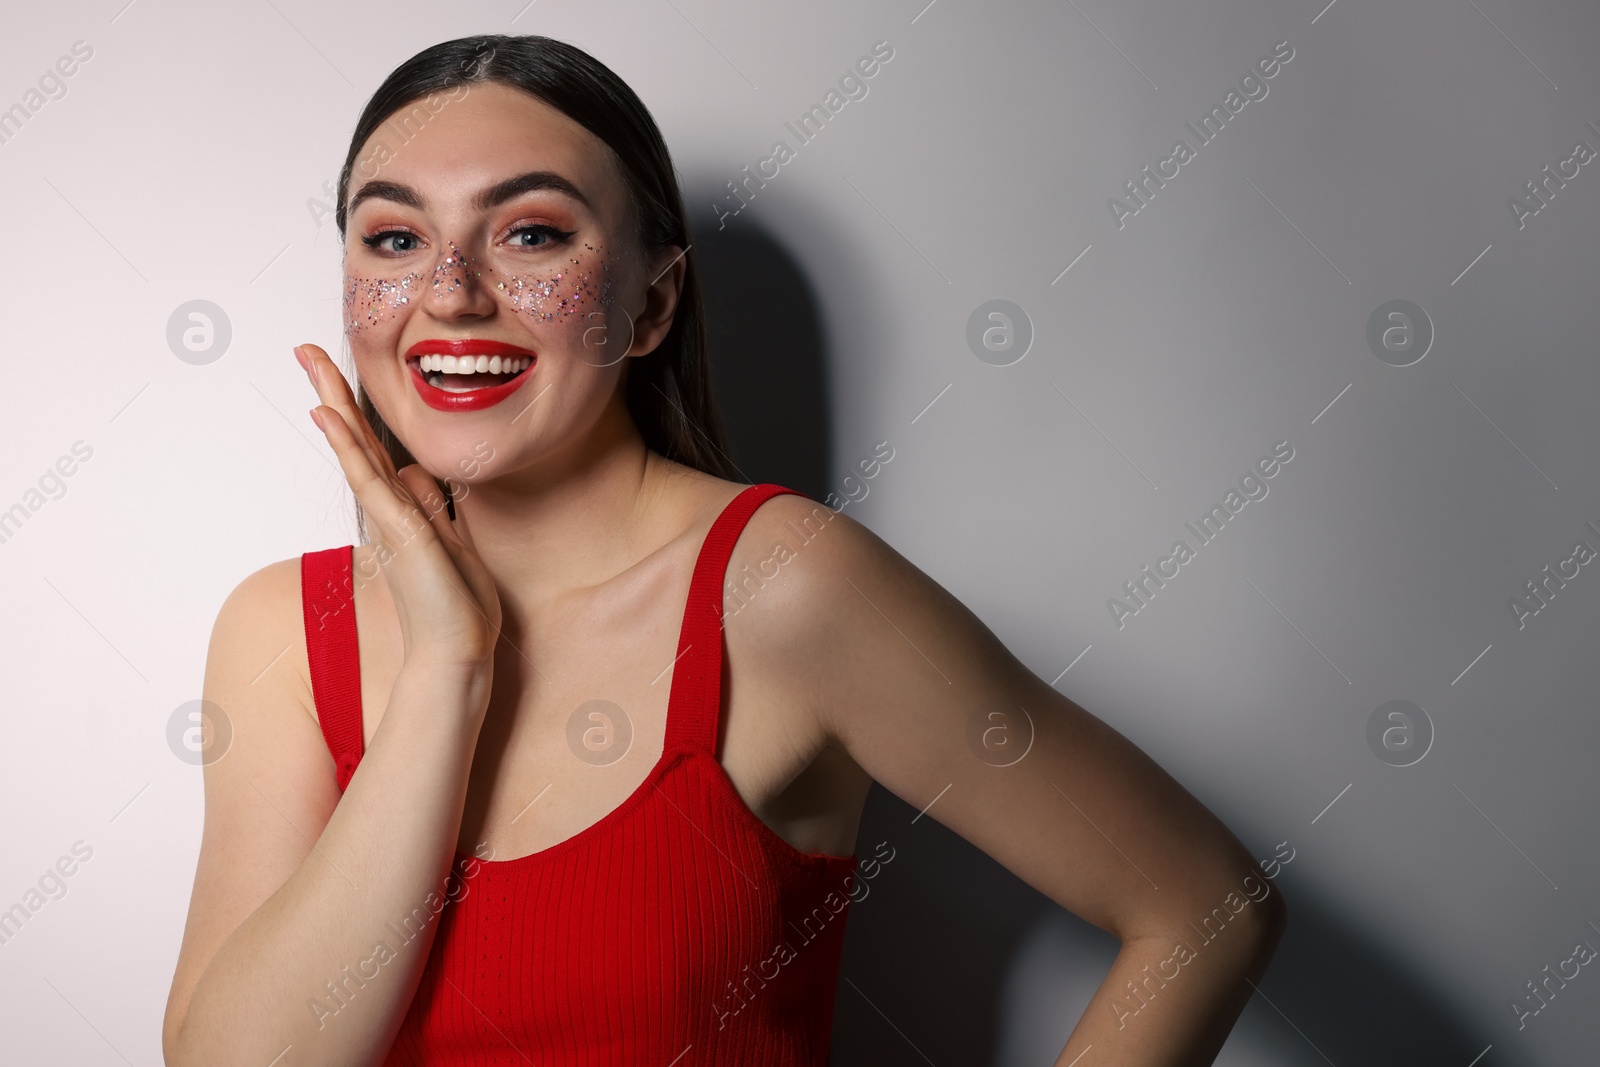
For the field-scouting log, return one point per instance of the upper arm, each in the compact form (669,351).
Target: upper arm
(272,790)
(927,701)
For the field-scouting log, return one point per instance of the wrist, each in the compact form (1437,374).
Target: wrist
(468,682)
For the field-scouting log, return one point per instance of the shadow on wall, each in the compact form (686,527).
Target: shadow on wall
(768,367)
(950,960)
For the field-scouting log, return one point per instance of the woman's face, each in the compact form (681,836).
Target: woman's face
(486,224)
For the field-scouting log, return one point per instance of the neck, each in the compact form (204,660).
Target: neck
(574,518)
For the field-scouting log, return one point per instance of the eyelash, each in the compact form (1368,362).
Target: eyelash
(558,236)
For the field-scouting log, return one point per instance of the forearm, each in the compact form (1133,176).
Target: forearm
(1171,1001)
(305,969)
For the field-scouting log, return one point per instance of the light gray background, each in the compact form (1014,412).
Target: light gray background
(1229,314)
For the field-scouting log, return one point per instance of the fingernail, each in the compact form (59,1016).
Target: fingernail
(300,357)
(316,418)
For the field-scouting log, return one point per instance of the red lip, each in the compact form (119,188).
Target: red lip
(466,346)
(477,399)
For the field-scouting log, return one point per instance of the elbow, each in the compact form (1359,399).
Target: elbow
(171,1051)
(1267,920)
(172,1054)
(1249,917)
(1277,915)
(174,1048)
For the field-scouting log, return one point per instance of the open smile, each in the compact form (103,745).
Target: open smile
(468,374)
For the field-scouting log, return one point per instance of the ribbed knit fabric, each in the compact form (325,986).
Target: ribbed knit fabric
(678,930)
(327,603)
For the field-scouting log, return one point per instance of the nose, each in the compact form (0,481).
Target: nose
(456,289)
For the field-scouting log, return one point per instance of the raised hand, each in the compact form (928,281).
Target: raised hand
(449,609)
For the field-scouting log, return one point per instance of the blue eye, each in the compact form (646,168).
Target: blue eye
(556,236)
(375,241)
(535,236)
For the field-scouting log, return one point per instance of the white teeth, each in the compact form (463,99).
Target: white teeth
(474,364)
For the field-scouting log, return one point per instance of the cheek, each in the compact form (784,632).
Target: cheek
(372,301)
(571,292)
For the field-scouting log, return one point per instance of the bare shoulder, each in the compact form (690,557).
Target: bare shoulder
(261,626)
(793,528)
(799,556)
(792,576)
(266,585)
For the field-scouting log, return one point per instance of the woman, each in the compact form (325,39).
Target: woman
(583,785)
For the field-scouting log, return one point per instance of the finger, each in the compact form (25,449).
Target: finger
(459,525)
(462,553)
(426,489)
(334,391)
(391,504)
(423,486)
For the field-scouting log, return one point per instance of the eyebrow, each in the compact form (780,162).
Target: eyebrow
(493,196)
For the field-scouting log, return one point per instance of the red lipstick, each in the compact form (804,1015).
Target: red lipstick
(474,399)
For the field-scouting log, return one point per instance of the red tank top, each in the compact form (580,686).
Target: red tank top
(677,930)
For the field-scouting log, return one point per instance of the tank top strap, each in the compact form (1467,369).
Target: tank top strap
(695,702)
(327,600)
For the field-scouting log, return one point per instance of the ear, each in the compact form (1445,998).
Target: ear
(666,273)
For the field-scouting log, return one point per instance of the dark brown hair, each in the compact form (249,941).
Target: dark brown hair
(668,392)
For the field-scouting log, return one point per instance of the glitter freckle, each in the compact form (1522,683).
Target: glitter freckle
(368,301)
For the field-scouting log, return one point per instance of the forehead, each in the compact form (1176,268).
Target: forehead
(449,147)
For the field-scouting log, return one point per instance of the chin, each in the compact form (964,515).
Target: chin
(460,456)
